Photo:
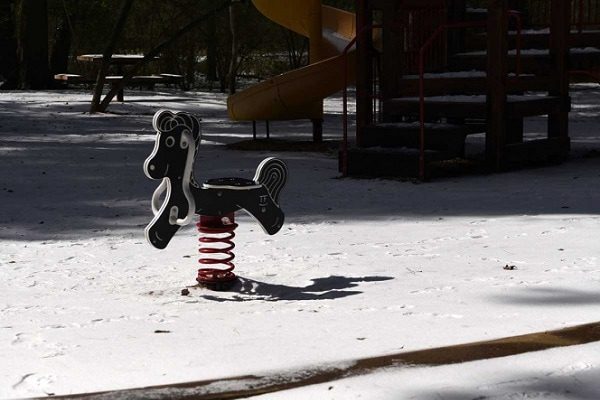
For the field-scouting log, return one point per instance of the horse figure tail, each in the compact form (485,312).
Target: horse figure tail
(272,173)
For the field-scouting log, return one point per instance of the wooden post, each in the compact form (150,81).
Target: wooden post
(456,37)
(121,92)
(514,130)
(558,122)
(98,105)
(513,4)
(364,70)
(315,43)
(317,125)
(497,47)
(394,59)
(32,44)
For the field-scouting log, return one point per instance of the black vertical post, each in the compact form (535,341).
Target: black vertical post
(364,69)
(497,48)
(456,37)
(120,93)
(317,126)
(558,122)
(32,44)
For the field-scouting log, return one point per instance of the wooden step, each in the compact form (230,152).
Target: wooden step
(539,64)
(404,162)
(475,14)
(387,162)
(537,39)
(438,106)
(462,83)
(474,106)
(443,137)
(533,61)
(541,151)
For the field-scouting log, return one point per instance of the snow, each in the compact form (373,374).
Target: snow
(560,374)
(361,267)
(337,40)
(537,52)
(457,74)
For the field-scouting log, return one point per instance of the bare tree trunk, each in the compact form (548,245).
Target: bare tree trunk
(59,57)
(296,48)
(96,106)
(211,51)
(8,46)
(234,53)
(32,44)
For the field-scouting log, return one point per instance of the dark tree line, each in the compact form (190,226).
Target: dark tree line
(40,38)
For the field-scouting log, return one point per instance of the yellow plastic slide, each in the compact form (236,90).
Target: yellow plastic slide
(299,93)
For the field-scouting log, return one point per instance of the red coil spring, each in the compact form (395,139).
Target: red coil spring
(218,230)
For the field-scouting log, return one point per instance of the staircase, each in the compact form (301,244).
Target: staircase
(412,116)
(534,38)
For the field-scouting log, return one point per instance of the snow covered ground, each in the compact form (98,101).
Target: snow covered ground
(361,267)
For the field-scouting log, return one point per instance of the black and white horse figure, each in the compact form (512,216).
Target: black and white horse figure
(172,161)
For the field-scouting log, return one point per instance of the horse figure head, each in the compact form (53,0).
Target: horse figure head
(177,140)
(179,198)
(172,160)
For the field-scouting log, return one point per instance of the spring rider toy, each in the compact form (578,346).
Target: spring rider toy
(215,201)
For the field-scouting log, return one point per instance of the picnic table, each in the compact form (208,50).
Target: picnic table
(118,61)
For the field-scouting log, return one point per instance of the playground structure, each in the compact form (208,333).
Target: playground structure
(299,94)
(429,73)
(446,70)
(216,201)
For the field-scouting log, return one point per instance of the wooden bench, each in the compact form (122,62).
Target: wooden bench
(141,80)
(73,78)
(172,78)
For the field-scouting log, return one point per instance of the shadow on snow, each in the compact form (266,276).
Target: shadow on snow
(332,287)
(67,176)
